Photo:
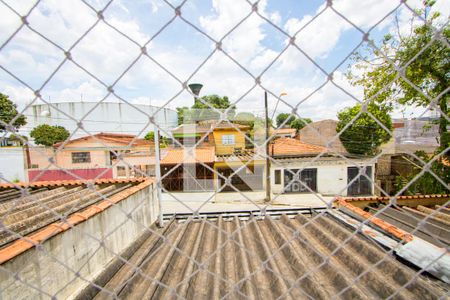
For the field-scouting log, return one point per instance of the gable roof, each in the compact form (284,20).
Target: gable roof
(120,138)
(293,147)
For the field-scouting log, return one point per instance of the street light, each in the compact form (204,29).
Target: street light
(276,105)
(195,89)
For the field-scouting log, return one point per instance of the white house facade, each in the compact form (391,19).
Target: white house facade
(299,167)
(327,176)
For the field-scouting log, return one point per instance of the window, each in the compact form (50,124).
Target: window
(81,157)
(277,176)
(121,171)
(228,139)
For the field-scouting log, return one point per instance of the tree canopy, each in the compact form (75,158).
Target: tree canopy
(292,121)
(299,123)
(201,111)
(48,135)
(364,135)
(283,117)
(422,58)
(8,111)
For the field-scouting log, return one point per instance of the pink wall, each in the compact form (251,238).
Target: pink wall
(49,175)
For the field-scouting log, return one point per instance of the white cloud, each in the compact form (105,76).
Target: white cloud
(106,53)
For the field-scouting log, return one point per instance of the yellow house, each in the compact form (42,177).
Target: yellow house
(243,167)
(229,139)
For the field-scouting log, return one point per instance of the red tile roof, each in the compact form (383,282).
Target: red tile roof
(384,198)
(294,147)
(175,156)
(57,183)
(112,137)
(391,229)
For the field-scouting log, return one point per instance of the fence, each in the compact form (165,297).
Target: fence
(286,225)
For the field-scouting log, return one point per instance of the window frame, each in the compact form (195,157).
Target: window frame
(80,160)
(277,176)
(228,139)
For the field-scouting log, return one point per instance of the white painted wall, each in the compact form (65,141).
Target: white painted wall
(331,173)
(12,164)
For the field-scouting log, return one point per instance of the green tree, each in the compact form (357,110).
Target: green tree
(427,183)
(49,135)
(202,111)
(150,136)
(180,114)
(364,135)
(423,58)
(283,117)
(8,111)
(299,123)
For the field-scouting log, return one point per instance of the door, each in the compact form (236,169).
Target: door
(308,179)
(362,185)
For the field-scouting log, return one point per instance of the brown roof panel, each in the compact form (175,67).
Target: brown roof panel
(261,258)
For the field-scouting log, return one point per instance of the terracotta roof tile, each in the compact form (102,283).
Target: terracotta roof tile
(384,198)
(387,227)
(112,137)
(294,147)
(175,156)
(57,183)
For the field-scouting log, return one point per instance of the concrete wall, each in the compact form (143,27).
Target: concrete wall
(331,174)
(112,117)
(12,164)
(52,271)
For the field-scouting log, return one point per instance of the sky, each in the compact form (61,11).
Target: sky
(184,48)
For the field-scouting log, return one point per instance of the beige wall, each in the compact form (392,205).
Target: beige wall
(99,154)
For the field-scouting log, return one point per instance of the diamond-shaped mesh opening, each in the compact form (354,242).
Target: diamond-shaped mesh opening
(224,150)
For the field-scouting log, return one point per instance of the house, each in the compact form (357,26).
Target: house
(93,156)
(321,133)
(223,153)
(300,167)
(243,167)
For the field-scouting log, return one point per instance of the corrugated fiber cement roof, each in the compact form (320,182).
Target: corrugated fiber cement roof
(260,258)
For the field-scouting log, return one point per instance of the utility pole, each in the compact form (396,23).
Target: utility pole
(267,150)
(158,176)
